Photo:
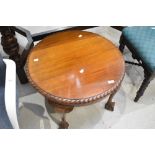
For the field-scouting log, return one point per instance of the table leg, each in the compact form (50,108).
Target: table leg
(63,124)
(57,108)
(110,105)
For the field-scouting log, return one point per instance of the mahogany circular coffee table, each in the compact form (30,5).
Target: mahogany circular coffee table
(75,68)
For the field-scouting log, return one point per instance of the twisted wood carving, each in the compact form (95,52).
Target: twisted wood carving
(73,102)
(11,47)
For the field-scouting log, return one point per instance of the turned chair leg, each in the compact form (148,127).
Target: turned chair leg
(145,83)
(122,44)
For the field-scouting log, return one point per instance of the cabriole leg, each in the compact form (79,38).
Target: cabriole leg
(63,124)
(58,108)
(110,104)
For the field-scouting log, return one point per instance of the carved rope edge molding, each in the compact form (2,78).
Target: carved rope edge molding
(72,102)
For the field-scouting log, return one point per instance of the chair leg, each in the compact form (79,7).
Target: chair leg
(22,75)
(145,83)
(122,44)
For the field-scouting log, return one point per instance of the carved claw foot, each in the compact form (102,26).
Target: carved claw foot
(63,124)
(110,106)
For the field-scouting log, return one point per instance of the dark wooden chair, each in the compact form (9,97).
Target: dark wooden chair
(141,42)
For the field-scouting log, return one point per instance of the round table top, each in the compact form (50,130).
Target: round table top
(75,65)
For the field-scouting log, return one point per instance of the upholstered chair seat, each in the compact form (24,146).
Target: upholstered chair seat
(142,40)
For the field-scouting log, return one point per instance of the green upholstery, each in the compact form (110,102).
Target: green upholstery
(142,40)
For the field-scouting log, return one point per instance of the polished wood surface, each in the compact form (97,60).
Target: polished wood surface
(75,65)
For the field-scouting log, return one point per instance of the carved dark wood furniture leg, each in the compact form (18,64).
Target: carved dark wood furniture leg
(11,47)
(110,104)
(63,124)
(57,108)
(145,83)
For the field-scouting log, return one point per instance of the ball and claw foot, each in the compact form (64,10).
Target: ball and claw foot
(110,106)
(63,124)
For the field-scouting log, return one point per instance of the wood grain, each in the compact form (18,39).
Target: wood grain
(75,65)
